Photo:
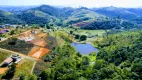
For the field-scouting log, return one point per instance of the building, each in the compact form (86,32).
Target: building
(10,60)
(4,31)
(2,39)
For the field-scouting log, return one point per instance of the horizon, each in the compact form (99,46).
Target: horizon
(75,3)
(61,6)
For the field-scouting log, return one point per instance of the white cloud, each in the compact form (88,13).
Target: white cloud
(86,3)
(98,3)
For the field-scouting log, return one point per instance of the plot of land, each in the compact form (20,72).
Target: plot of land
(42,35)
(38,52)
(3,70)
(39,42)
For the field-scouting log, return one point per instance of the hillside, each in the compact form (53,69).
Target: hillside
(8,17)
(46,14)
(122,13)
(83,14)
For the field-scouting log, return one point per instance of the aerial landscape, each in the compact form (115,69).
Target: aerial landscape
(70,40)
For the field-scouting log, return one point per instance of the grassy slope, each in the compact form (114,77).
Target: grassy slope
(24,68)
(3,56)
(83,14)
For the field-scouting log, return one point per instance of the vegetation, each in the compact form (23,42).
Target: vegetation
(24,69)
(100,18)
(3,55)
(114,61)
(16,45)
(112,30)
(123,56)
(108,24)
(10,73)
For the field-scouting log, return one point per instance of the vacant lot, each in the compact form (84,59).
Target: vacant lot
(38,52)
(3,70)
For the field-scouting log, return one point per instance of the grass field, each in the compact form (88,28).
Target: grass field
(62,37)
(24,68)
(3,56)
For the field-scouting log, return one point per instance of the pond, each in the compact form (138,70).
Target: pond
(84,48)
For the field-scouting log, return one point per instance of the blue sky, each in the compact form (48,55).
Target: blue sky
(76,3)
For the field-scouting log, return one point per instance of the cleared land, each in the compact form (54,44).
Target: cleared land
(3,70)
(38,52)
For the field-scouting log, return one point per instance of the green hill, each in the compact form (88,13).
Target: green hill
(114,12)
(8,17)
(81,15)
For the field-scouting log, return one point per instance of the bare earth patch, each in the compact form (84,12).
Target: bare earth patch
(3,70)
(38,52)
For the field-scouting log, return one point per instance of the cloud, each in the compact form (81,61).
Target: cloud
(86,3)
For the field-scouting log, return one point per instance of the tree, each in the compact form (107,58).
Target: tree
(71,32)
(12,32)
(47,26)
(77,36)
(83,38)
(10,73)
(48,58)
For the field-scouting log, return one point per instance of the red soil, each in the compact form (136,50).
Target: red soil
(39,42)
(38,52)
(3,70)
(42,35)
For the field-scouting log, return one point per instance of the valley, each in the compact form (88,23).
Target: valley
(50,43)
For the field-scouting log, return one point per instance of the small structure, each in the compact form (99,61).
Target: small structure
(13,26)
(49,30)
(10,60)
(4,31)
(27,39)
(2,39)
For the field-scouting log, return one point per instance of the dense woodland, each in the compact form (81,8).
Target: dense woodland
(109,24)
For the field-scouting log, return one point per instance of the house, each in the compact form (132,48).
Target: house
(2,26)
(13,26)
(10,60)
(49,30)
(16,58)
(4,31)
(2,39)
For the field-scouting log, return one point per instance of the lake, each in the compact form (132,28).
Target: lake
(84,48)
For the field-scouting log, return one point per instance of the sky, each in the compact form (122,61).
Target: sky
(75,3)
